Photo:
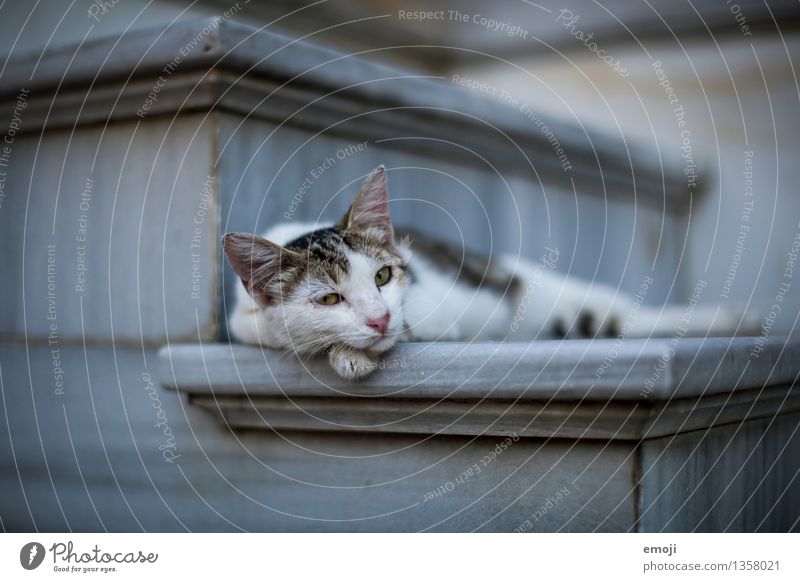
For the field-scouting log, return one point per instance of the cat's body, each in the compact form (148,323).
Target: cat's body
(314,288)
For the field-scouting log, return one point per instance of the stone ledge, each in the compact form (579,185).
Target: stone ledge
(540,389)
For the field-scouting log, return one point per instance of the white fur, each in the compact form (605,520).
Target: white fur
(300,323)
(438,307)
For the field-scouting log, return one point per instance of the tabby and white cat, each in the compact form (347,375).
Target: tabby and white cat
(354,290)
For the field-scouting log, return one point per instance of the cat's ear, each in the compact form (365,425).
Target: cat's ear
(369,212)
(257,262)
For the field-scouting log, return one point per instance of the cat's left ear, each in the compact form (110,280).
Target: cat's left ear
(258,262)
(369,212)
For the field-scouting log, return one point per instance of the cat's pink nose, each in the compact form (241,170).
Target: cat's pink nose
(379,324)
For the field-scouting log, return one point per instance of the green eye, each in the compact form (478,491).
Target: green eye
(329,299)
(382,277)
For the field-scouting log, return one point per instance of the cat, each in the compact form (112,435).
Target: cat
(355,288)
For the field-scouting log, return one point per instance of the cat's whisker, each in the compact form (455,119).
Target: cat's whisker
(315,344)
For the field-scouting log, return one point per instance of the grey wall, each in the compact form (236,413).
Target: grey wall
(88,457)
(93,459)
(26,27)
(127,199)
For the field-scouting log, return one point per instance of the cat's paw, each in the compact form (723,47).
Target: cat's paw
(351,364)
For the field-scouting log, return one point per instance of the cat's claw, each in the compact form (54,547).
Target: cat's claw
(351,364)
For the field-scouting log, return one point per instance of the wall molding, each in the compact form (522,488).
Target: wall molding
(234,67)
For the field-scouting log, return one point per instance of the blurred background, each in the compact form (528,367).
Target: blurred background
(730,66)
(640,139)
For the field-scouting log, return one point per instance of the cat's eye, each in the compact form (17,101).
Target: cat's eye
(382,277)
(329,299)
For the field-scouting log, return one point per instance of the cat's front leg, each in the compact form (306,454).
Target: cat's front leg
(350,363)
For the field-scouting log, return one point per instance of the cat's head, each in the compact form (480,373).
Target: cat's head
(339,285)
